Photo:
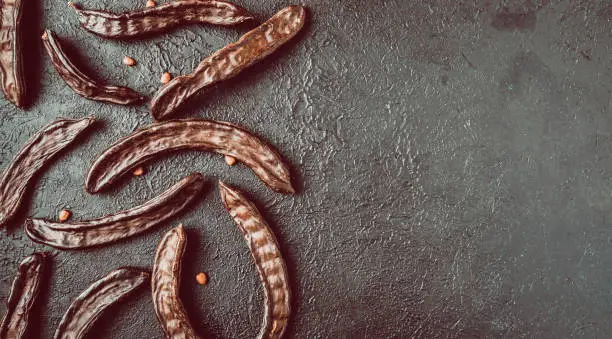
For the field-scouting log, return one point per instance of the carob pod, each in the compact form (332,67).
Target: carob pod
(230,60)
(121,225)
(22,296)
(12,73)
(190,134)
(165,283)
(82,83)
(35,154)
(268,260)
(90,304)
(147,21)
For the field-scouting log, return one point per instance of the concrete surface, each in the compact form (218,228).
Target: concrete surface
(453,163)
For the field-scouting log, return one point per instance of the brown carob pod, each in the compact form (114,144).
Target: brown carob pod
(34,155)
(121,225)
(230,60)
(90,304)
(158,139)
(154,19)
(268,260)
(165,283)
(12,73)
(82,83)
(22,296)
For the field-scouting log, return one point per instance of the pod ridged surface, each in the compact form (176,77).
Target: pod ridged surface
(165,283)
(230,60)
(82,83)
(22,296)
(124,224)
(160,18)
(90,304)
(34,155)
(158,139)
(268,260)
(12,73)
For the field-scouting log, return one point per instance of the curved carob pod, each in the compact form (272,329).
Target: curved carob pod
(82,83)
(268,260)
(230,60)
(12,74)
(143,22)
(165,283)
(121,225)
(90,304)
(35,154)
(190,134)
(22,296)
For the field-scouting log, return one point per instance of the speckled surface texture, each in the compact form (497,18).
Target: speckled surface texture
(453,165)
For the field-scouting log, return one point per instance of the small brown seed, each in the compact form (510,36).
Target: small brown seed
(230,160)
(64,215)
(151,3)
(165,78)
(71,4)
(202,278)
(138,172)
(129,61)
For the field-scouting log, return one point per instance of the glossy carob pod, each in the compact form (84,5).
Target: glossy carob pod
(161,138)
(266,253)
(34,155)
(147,21)
(229,61)
(82,83)
(121,225)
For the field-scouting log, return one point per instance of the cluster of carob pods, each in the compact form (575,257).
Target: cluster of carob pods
(136,149)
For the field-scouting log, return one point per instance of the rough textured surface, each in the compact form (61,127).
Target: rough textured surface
(453,162)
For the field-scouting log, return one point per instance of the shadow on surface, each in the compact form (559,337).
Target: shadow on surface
(32,51)
(194,254)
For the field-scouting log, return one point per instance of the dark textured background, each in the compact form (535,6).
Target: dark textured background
(453,163)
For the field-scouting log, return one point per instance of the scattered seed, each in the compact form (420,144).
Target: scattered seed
(138,172)
(129,61)
(64,215)
(202,278)
(230,160)
(71,4)
(166,77)
(151,3)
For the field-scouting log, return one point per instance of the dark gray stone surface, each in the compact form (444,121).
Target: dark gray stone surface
(453,165)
